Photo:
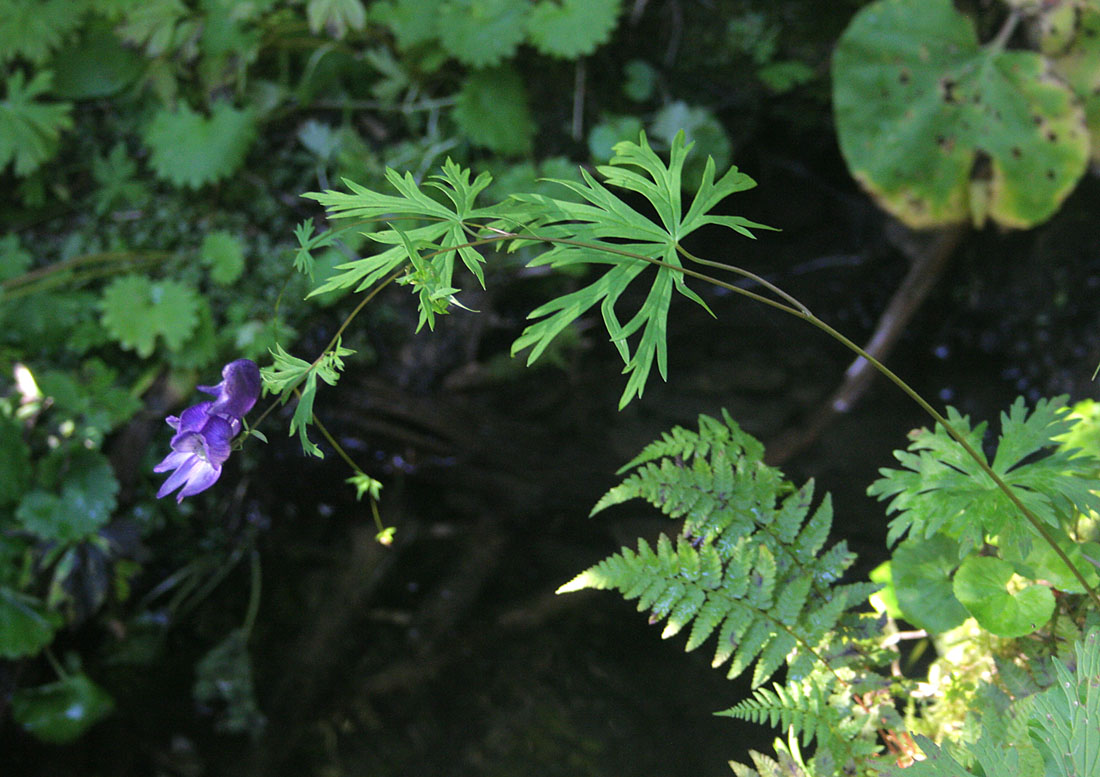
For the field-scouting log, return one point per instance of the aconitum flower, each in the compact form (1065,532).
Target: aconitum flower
(204,431)
(238,391)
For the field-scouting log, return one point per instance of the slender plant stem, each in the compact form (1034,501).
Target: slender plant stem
(256,578)
(788,304)
(798,310)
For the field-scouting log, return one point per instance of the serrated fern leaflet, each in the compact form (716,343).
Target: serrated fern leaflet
(747,566)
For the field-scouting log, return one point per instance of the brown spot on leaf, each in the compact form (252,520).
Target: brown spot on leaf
(1052,136)
(983,167)
(1051,175)
(1016,152)
(947,144)
(904,77)
(948,88)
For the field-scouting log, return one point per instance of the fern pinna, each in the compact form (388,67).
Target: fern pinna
(747,564)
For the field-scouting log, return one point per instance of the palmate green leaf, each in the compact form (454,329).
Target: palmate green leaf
(943,490)
(571,28)
(33,28)
(136,310)
(29,127)
(982,586)
(192,150)
(604,230)
(439,230)
(918,102)
(491,110)
(481,33)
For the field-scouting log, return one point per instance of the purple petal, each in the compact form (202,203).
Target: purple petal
(194,474)
(216,436)
(194,418)
(172,461)
(238,391)
(202,478)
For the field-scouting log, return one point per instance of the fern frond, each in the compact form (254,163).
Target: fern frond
(813,709)
(747,566)
(765,766)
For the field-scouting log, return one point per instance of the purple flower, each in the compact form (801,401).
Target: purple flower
(238,391)
(204,431)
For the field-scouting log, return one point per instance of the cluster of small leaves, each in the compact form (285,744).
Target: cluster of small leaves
(821,708)
(223,682)
(950,508)
(754,574)
(452,227)
(1052,732)
(289,375)
(600,229)
(482,33)
(943,490)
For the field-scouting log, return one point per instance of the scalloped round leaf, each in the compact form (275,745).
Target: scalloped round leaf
(223,253)
(941,130)
(571,28)
(135,310)
(982,585)
(921,571)
(1079,65)
(412,21)
(87,499)
(190,149)
(61,712)
(481,33)
(492,111)
(25,626)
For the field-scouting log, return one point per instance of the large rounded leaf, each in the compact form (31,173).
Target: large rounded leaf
(982,585)
(1078,59)
(940,129)
(921,572)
